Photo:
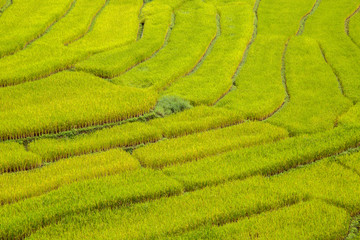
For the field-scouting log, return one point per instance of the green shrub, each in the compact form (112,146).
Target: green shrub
(171,104)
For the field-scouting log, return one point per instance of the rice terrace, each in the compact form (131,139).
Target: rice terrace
(180,119)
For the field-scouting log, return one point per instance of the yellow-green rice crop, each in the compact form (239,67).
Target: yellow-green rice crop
(150,220)
(199,145)
(265,159)
(326,180)
(306,220)
(190,121)
(125,135)
(326,25)
(37,61)
(316,100)
(48,54)
(24,217)
(24,21)
(14,157)
(20,185)
(75,24)
(115,26)
(67,100)
(196,119)
(157,19)
(214,76)
(260,90)
(175,83)
(229,202)
(185,48)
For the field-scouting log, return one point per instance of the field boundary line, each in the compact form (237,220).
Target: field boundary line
(90,26)
(246,52)
(284,81)
(43,33)
(78,131)
(4,7)
(127,148)
(344,165)
(306,16)
(334,71)
(42,76)
(235,219)
(347,25)
(166,40)
(71,67)
(210,46)
(141,24)
(102,206)
(283,59)
(202,58)
(115,205)
(351,149)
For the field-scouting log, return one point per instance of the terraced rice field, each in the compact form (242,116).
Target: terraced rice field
(180,119)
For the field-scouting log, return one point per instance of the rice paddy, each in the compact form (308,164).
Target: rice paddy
(180,119)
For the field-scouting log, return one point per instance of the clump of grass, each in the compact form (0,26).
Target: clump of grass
(171,104)
(354,231)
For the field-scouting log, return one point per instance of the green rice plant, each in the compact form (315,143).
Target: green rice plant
(183,51)
(20,185)
(125,135)
(14,157)
(214,76)
(24,21)
(39,60)
(115,26)
(316,99)
(326,25)
(48,54)
(194,120)
(22,218)
(265,159)
(67,100)
(354,28)
(326,180)
(306,220)
(260,90)
(190,121)
(352,117)
(200,145)
(159,218)
(157,19)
